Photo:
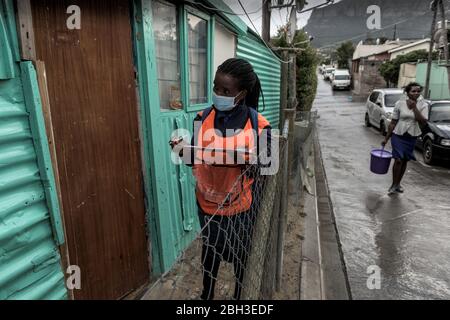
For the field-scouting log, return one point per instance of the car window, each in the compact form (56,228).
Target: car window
(391,99)
(440,112)
(374,96)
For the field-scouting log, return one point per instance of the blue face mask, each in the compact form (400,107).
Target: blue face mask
(223,103)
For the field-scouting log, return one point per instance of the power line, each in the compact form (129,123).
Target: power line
(256,30)
(329,2)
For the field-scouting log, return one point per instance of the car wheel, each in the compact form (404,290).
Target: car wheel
(367,121)
(428,152)
(383,128)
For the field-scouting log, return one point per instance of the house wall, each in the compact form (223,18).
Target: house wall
(268,69)
(407,74)
(438,80)
(224,45)
(379,57)
(367,78)
(30,263)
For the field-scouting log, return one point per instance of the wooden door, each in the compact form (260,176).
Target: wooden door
(91,84)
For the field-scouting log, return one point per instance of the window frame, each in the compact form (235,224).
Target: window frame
(182,11)
(210,20)
(179,20)
(374,96)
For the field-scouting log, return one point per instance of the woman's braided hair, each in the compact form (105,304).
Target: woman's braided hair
(247,78)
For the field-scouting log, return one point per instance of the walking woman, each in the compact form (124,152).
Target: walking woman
(225,191)
(410,113)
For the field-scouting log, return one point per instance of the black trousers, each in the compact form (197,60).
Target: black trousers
(229,239)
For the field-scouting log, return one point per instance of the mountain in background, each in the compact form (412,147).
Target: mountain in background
(347,20)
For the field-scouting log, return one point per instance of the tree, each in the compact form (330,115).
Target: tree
(344,54)
(390,70)
(306,62)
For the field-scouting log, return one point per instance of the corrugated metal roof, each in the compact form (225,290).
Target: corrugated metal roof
(410,45)
(268,69)
(366,50)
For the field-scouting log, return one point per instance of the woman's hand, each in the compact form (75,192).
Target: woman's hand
(384,142)
(177,145)
(411,104)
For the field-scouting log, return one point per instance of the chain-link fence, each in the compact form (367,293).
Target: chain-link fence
(238,253)
(302,169)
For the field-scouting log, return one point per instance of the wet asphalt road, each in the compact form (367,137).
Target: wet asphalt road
(406,236)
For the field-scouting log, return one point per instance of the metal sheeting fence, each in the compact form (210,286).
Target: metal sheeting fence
(302,168)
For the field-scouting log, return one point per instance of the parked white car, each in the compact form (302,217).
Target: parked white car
(379,108)
(341,79)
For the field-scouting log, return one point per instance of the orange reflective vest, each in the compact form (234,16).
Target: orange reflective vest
(221,189)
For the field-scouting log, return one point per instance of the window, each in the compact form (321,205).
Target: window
(373,98)
(440,113)
(341,77)
(166,34)
(198,59)
(391,99)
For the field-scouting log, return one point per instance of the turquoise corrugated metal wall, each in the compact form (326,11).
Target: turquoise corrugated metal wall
(29,258)
(268,69)
(9,50)
(438,80)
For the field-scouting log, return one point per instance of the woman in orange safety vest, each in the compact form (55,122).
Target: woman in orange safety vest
(226,138)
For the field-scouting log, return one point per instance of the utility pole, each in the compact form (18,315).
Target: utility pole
(293,61)
(266,20)
(444,26)
(445,36)
(430,53)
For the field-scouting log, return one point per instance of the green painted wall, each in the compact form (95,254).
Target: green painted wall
(438,80)
(30,264)
(268,68)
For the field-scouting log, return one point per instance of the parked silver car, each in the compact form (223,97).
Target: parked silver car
(379,107)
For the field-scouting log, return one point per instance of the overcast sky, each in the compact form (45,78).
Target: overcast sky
(279,16)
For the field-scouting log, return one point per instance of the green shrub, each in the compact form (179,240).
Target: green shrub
(306,63)
(390,70)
